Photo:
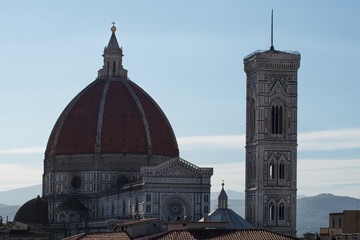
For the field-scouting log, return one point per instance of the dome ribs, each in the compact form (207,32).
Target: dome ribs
(78,133)
(122,127)
(100,117)
(162,136)
(112,116)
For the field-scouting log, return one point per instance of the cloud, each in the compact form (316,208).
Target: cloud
(233,175)
(195,142)
(28,150)
(311,141)
(338,176)
(330,140)
(18,175)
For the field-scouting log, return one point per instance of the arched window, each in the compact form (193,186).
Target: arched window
(107,70)
(272,171)
(271,212)
(281,212)
(282,171)
(123,207)
(277,118)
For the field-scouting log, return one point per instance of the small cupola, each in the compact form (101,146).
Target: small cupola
(223,198)
(113,54)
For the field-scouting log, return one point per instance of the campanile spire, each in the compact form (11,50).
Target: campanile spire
(272,28)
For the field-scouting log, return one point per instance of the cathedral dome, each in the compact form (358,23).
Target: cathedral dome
(112,115)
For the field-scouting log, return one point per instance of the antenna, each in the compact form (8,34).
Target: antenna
(272,32)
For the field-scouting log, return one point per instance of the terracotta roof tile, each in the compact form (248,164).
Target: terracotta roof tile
(223,234)
(99,236)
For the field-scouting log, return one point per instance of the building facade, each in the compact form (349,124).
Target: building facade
(343,225)
(271,139)
(113,157)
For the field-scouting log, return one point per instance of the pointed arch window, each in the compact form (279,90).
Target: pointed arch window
(272,171)
(277,118)
(271,212)
(282,171)
(282,212)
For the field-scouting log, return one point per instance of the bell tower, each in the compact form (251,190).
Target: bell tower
(271,139)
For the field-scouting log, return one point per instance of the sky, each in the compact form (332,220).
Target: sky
(188,55)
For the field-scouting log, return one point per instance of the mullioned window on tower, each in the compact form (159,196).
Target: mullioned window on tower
(276,119)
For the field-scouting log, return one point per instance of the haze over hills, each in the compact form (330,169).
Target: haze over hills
(20,196)
(312,212)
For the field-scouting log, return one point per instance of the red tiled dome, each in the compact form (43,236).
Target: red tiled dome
(112,116)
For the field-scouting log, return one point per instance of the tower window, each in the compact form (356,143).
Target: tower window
(271,212)
(276,119)
(272,171)
(282,171)
(282,212)
(114,67)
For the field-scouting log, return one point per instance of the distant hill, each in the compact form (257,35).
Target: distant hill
(312,212)
(237,205)
(20,196)
(8,211)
